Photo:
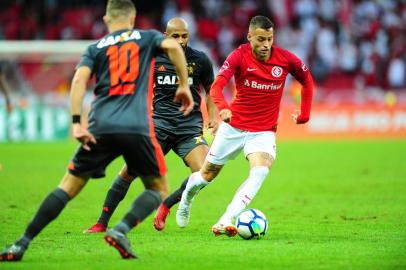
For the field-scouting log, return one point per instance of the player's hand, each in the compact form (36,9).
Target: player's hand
(184,96)
(225,115)
(83,135)
(299,119)
(213,125)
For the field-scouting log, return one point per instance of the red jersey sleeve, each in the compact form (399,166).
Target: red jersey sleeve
(302,74)
(227,70)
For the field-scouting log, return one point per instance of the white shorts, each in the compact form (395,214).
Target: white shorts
(229,142)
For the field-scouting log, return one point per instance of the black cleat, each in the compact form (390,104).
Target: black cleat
(12,253)
(120,242)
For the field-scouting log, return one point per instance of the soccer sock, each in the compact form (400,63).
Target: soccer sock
(142,207)
(195,183)
(246,192)
(50,208)
(115,195)
(175,197)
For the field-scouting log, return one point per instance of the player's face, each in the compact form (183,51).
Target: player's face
(261,41)
(181,36)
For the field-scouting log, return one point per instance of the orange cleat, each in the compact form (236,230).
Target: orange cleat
(96,228)
(221,229)
(160,217)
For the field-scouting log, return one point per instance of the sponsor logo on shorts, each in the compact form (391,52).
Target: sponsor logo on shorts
(71,166)
(198,139)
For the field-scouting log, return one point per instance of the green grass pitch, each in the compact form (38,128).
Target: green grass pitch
(330,205)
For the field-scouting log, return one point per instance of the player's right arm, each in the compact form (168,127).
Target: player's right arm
(227,70)
(302,73)
(77,93)
(178,59)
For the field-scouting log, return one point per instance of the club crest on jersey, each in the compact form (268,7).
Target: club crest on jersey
(277,71)
(304,67)
(191,68)
(111,40)
(225,66)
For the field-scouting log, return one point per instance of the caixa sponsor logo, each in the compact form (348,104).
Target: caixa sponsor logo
(254,84)
(125,36)
(171,80)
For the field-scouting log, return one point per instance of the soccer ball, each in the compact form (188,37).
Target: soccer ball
(251,224)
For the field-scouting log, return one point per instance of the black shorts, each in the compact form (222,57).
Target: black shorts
(180,143)
(142,154)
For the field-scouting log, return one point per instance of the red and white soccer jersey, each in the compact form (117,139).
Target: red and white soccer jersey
(259,87)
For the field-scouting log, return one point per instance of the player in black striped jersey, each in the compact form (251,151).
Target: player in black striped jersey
(183,135)
(120,123)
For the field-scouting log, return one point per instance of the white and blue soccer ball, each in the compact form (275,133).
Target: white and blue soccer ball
(251,224)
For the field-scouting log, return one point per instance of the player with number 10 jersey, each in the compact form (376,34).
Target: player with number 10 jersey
(119,89)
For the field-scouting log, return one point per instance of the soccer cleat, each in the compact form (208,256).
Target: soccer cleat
(183,214)
(12,253)
(120,242)
(224,228)
(160,217)
(96,228)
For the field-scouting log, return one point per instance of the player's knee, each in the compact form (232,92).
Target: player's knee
(160,185)
(72,184)
(125,175)
(209,171)
(195,166)
(208,175)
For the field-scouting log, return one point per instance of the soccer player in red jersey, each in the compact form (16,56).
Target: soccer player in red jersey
(250,122)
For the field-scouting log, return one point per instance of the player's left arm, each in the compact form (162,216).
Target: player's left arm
(77,93)
(4,87)
(207,78)
(211,111)
(177,57)
(302,74)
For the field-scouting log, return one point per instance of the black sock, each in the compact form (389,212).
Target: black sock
(50,208)
(115,195)
(175,197)
(142,207)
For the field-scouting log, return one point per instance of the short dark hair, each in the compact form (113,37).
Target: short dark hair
(260,22)
(120,8)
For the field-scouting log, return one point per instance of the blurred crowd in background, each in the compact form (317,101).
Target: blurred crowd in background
(353,47)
